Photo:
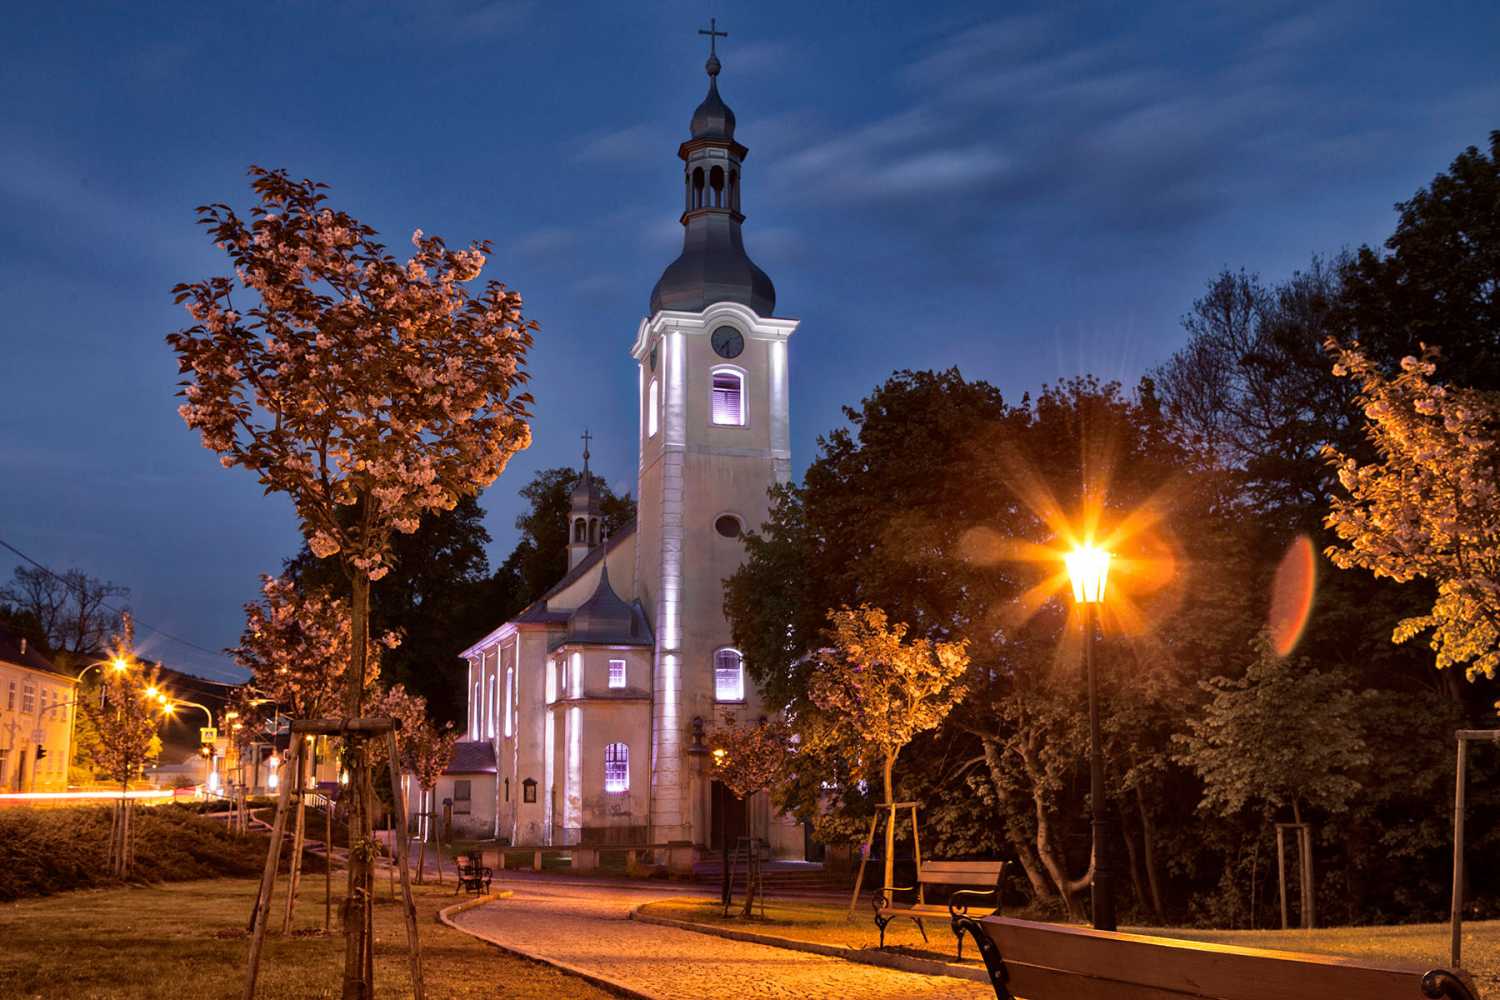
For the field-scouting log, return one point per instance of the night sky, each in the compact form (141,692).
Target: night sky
(1027,196)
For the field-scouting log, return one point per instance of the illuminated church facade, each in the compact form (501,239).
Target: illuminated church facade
(586,710)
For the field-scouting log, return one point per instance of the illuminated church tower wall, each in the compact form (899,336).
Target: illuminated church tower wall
(714,437)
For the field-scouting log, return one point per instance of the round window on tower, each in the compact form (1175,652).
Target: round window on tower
(729,526)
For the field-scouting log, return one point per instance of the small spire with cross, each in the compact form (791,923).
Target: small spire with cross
(587,437)
(714,34)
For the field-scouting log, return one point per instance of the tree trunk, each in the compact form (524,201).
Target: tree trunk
(357,901)
(1015,835)
(1135,866)
(890,825)
(1148,848)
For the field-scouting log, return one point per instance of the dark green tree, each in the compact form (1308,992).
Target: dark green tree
(439,597)
(540,557)
(1439,281)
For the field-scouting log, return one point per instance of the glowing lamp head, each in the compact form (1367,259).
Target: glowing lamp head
(719,754)
(1088,568)
(168,707)
(119,664)
(151,692)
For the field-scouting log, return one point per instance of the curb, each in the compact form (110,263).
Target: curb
(446,915)
(865,956)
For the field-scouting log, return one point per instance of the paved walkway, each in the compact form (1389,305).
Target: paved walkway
(587,927)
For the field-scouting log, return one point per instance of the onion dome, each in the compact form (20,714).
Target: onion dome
(713,266)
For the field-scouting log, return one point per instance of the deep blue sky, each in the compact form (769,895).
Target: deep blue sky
(1027,194)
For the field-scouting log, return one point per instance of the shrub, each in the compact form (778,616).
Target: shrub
(46,851)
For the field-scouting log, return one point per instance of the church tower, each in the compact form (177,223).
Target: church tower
(585,519)
(714,437)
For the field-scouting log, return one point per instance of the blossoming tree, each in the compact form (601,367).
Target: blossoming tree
(369,390)
(1430,506)
(748,759)
(125,739)
(425,749)
(296,646)
(876,690)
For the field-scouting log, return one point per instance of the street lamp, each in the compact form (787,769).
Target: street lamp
(719,754)
(1088,569)
(169,706)
(119,665)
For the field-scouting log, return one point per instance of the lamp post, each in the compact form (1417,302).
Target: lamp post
(719,754)
(169,706)
(1088,569)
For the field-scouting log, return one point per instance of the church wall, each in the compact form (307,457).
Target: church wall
(530,826)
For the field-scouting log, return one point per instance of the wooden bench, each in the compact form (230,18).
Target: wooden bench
(472,873)
(984,874)
(1037,961)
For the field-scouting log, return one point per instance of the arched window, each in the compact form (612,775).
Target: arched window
(617,768)
(490,728)
(728,401)
(593,532)
(734,190)
(510,686)
(716,181)
(729,526)
(729,675)
(651,408)
(698,188)
(580,530)
(476,713)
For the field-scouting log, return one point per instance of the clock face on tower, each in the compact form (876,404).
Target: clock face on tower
(727,342)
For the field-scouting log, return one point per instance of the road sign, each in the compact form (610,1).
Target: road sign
(208,734)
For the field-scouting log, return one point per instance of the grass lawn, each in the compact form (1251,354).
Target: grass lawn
(1408,944)
(187,940)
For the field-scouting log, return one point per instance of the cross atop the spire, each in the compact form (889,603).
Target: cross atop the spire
(586,439)
(714,34)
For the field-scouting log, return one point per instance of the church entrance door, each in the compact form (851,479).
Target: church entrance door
(726,814)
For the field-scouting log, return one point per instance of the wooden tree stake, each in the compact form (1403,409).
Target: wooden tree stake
(268,879)
(400,851)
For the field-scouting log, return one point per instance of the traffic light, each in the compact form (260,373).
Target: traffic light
(41,752)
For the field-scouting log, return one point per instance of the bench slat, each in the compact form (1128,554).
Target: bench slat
(959,878)
(1040,957)
(990,868)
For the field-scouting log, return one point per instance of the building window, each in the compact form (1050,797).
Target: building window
(617,768)
(729,675)
(510,681)
(616,673)
(4,765)
(507,789)
(729,526)
(491,706)
(528,790)
(728,399)
(477,716)
(564,684)
(10,697)
(463,797)
(651,409)
(28,698)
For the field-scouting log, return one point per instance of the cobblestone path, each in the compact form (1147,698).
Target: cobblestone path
(588,928)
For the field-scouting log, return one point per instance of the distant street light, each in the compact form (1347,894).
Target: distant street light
(1088,568)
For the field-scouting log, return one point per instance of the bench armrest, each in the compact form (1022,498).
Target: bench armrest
(1440,984)
(883,899)
(960,901)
